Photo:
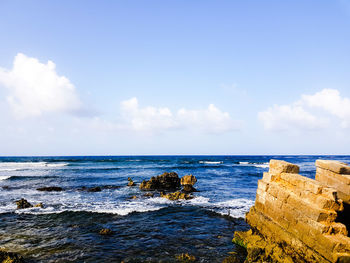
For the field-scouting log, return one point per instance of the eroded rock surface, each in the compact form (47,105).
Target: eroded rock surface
(165,181)
(23,203)
(296,219)
(10,257)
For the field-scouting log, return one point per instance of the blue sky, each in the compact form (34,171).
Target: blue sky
(174,77)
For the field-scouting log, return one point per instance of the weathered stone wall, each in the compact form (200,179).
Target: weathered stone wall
(295,219)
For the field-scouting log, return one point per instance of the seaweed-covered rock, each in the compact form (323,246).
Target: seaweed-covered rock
(50,189)
(10,257)
(106,232)
(188,180)
(187,188)
(131,182)
(185,257)
(165,181)
(176,196)
(23,203)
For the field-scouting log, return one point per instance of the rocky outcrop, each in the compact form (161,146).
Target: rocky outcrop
(10,257)
(165,181)
(297,219)
(131,182)
(50,189)
(187,183)
(23,203)
(176,196)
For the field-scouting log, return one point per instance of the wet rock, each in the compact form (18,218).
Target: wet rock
(131,182)
(185,257)
(40,205)
(94,189)
(50,189)
(165,181)
(10,257)
(23,203)
(188,180)
(6,187)
(110,187)
(106,232)
(187,188)
(176,196)
(148,195)
(132,197)
(231,259)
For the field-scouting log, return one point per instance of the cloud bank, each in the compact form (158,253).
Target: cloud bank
(35,88)
(310,112)
(159,119)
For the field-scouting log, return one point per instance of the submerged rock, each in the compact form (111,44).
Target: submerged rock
(50,189)
(10,257)
(176,196)
(23,203)
(165,181)
(185,257)
(131,182)
(94,189)
(39,205)
(188,180)
(148,195)
(106,232)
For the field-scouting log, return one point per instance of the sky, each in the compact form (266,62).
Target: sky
(174,77)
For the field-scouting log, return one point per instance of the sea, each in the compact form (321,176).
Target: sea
(144,229)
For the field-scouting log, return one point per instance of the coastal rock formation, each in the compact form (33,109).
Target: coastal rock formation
(23,203)
(188,180)
(50,189)
(165,181)
(10,257)
(131,182)
(176,196)
(187,183)
(297,219)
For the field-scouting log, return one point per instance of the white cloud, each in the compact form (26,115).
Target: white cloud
(35,88)
(311,112)
(285,117)
(153,119)
(330,101)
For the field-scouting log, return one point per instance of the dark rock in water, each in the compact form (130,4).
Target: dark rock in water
(110,187)
(94,189)
(165,181)
(188,180)
(23,203)
(131,182)
(148,195)
(6,187)
(185,257)
(10,257)
(50,189)
(106,232)
(187,188)
(176,196)
(39,205)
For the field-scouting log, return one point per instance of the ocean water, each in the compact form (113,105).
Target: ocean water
(144,229)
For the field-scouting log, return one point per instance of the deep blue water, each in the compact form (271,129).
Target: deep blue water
(145,229)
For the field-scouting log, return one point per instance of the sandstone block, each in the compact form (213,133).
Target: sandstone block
(334,166)
(342,178)
(277,167)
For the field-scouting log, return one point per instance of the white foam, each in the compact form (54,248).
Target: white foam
(13,166)
(211,162)
(4,177)
(258,165)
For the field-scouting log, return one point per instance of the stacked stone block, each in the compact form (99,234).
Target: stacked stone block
(297,216)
